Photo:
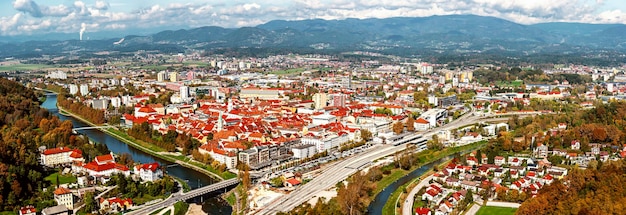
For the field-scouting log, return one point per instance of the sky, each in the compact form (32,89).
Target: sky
(35,17)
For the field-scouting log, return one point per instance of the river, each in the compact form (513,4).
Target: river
(214,205)
(376,206)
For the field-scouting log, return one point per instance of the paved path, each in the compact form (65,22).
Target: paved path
(473,210)
(503,204)
(407,208)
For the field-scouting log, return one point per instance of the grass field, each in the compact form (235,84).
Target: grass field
(63,179)
(491,210)
(24,67)
(288,71)
(180,208)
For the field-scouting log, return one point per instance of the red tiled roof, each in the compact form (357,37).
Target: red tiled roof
(28,209)
(56,150)
(149,166)
(422,211)
(293,181)
(105,158)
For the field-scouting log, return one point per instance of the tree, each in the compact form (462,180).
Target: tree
(277,182)
(434,143)
(90,203)
(366,135)
(398,127)
(410,124)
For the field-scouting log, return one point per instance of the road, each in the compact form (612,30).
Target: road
(338,171)
(407,208)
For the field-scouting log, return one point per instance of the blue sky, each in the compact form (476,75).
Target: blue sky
(32,17)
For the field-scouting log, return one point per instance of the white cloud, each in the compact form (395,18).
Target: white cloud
(101,5)
(68,17)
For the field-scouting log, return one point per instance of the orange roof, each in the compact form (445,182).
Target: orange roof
(421,121)
(62,191)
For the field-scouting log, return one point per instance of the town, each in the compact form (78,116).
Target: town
(285,120)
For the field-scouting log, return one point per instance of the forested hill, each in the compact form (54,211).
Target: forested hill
(21,176)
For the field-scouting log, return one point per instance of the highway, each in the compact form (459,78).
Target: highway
(340,171)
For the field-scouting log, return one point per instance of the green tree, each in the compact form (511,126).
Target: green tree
(90,203)
(277,182)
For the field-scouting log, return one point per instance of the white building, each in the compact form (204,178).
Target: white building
(60,156)
(57,75)
(303,151)
(84,89)
(73,89)
(149,172)
(427,70)
(184,92)
(161,76)
(325,141)
(433,115)
(64,196)
(323,119)
(229,158)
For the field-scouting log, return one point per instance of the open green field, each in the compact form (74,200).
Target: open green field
(288,71)
(491,210)
(63,179)
(24,67)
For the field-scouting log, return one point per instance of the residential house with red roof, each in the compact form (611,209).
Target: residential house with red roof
(115,204)
(28,210)
(64,196)
(421,124)
(149,171)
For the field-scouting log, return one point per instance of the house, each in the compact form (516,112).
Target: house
(292,182)
(28,210)
(115,204)
(56,210)
(149,172)
(422,211)
(575,145)
(548,179)
(499,172)
(421,124)
(468,185)
(515,161)
(453,182)
(563,125)
(498,160)
(514,174)
(471,137)
(65,197)
(471,160)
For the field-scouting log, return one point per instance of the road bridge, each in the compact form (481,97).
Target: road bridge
(186,196)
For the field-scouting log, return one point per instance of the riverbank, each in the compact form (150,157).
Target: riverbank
(427,158)
(181,160)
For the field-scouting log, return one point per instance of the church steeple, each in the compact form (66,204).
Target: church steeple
(220,122)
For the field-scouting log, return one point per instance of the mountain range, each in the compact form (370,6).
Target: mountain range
(401,35)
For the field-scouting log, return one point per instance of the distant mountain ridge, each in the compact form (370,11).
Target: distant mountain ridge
(450,33)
